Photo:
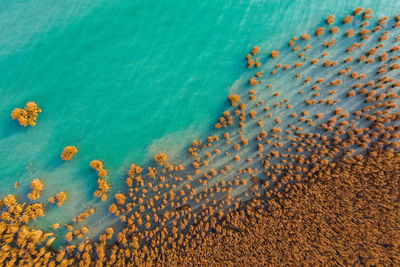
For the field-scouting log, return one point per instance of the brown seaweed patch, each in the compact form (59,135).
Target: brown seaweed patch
(274,54)
(37,186)
(28,115)
(330,19)
(347,19)
(255,50)
(69,152)
(235,99)
(320,31)
(358,11)
(61,197)
(305,36)
(160,159)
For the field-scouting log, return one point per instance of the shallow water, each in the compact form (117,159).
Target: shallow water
(125,81)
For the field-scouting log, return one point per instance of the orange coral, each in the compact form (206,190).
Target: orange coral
(334,29)
(61,197)
(250,63)
(96,164)
(103,185)
(305,36)
(358,11)
(320,31)
(36,186)
(121,198)
(347,19)
(255,50)
(350,33)
(235,99)
(134,170)
(253,81)
(69,152)
(113,208)
(330,19)
(367,14)
(161,158)
(274,54)
(28,115)
(102,173)
(103,188)
(142,205)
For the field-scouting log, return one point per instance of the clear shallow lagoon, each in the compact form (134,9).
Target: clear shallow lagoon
(124,80)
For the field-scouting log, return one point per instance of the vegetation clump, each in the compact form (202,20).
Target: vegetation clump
(235,99)
(103,185)
(28,115)
(160,159)
(37,186)
(69,152)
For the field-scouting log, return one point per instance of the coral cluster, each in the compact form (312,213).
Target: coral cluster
(301,225)
(160,159)
(103,185)
(306,151)
(20,243)
(28,115)
(69,152)
(60,198)
(37,186)
(235,99)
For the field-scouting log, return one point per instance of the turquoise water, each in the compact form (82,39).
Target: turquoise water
(123,80)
